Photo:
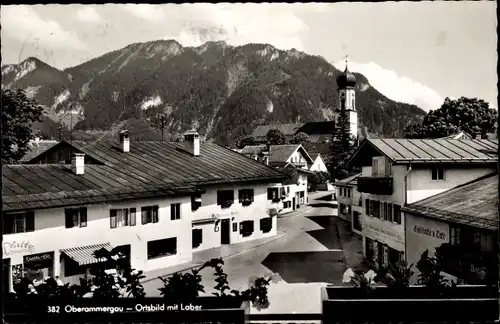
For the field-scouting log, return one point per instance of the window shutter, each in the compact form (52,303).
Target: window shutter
(172,211)
(126,219)
(30,221)
(155,214)
(83,216)
(112,218)
(132,216)
(69,218)
(144,215)
(269,193)
(367,207)
(178,210)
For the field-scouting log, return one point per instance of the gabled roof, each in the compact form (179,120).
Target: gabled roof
(281,153)
(474,204)
(149,165)
(36,148)
(253,149)
(318,128)
(410,151)
(287,129)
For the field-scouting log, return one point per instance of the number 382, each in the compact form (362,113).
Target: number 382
(53,309)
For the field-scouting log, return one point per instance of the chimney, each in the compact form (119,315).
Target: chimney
(78,163)
(125,141)
(37,139)
(192,142)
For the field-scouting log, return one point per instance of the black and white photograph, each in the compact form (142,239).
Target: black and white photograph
(250,162)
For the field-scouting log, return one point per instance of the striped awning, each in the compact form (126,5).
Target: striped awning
(85,254)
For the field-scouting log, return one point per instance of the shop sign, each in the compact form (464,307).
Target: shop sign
(223,214)
(384,232)
(38,257)
(429,232)
(17,247)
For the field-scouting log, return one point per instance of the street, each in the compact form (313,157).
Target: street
(309,251)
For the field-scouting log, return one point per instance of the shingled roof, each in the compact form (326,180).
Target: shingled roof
(406,151)
(161,167)
(325,149)
(474,204)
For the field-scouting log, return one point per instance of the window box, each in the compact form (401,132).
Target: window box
(246,197)
(225,198)
(462,303)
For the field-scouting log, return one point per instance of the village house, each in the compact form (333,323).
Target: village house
(291,159)
(462,223)
(155,201)
(350,201)
(397,172)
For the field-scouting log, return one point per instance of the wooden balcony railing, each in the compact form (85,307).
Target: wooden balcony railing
(375,185)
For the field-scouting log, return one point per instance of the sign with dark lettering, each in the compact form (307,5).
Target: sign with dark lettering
(39,257)
(17,247)
(430,232)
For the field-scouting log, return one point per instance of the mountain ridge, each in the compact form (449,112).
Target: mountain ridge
(223,91)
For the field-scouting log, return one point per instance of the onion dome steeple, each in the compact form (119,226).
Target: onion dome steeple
(346,79)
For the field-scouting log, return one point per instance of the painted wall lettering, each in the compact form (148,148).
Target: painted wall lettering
(429,232)
(17,247)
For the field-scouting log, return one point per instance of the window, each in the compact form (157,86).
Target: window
(375,208)
(195,202)
(348,193)
(389,212)
(374,166)
(76,217)
(19,222)
(397,214)
(272,194)
(122,217)
(266,224)
(487,242)
(162,248)
(149,214)
(287,189)
(246,228)
(437,174)
(225,198)
(367,207)
(175,211)
(356,221)
(197,237)
(455,235)
(287,204)
(245,197)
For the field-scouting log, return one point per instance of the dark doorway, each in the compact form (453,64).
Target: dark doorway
(294,204)
(225,231)
(6,276)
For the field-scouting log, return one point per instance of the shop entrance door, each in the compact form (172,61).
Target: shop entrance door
(225,231)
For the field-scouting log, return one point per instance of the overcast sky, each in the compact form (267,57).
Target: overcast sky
(415,52)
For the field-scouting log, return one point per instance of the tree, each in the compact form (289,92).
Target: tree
(343,146)
(299,138)
(249,140)
(18,114)
(275,137)
(470,115)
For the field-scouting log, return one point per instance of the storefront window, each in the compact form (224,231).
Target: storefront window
(37,267)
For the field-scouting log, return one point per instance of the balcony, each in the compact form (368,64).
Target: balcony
(375,185)
(298,164)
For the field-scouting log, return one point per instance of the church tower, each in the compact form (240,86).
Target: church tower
(347,97)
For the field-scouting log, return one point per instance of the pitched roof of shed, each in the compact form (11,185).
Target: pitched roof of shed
(37,148)
(434,150)
(474,203)
(149,165)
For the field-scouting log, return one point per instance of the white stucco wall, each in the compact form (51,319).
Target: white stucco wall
(318,165)
(298,157)
(51,234)
(236,213)
(421,185)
